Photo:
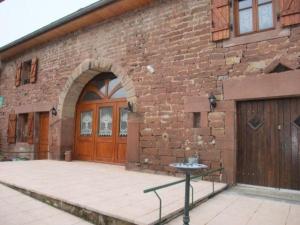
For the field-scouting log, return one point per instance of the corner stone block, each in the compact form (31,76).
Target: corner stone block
(85,65)
(103,65)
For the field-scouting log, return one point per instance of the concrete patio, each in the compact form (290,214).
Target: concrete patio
(232,208)
(19,209)
(106,189)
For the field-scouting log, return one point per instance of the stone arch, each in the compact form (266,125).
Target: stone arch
(83,73)
(68,98)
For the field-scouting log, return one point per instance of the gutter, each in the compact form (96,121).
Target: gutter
(58,23)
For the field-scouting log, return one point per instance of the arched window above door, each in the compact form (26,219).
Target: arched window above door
(103,86)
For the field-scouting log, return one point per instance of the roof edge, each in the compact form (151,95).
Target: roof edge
(58,23)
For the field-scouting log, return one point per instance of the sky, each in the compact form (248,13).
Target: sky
(21,17)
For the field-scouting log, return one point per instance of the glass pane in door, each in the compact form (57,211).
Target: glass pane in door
(86,119)
(105,121)
(123,122)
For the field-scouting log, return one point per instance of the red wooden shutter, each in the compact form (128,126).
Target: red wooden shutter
(18,75)
(11,131)
(30,128)
(220,19)
(33,71)
(289,12)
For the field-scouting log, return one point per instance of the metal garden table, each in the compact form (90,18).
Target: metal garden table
(188,168)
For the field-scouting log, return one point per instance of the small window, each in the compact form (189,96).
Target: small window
(22,130)
(86,121)
(123,122)
(297,121)
(196,119)
(25,74)
(254,16)
(119,94)
(105,121)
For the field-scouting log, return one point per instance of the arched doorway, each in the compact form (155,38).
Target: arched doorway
(101,121)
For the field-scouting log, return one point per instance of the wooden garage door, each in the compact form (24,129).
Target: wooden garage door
(268,143)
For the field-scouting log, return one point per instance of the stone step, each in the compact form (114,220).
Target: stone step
(268,192)
(76,210)
(96,217)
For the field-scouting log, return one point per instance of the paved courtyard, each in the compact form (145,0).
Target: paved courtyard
(19,209)
(230,208)
(107,189)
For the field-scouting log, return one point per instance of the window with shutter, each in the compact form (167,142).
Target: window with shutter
(289,12)
(253,16)
(11,131)
(27,72)
(220,19)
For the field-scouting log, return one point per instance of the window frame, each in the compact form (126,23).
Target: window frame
(104,95)
(28,64)
(255,18)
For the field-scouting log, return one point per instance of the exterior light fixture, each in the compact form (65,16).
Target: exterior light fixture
(212,101)
(129,107)
(53,111)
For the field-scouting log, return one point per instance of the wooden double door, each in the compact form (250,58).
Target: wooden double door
(101,132)
(269,143)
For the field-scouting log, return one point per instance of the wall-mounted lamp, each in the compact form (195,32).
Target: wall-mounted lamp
(212,101)
(53,111)
(129,107)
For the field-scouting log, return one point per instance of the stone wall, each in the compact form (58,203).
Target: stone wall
(173,36)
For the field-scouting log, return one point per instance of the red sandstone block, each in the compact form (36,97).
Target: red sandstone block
(218,132)
(166,160)
(148,144)
(150,151)
(217,124)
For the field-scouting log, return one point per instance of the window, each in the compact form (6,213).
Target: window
(22,127)
(254,16)
(105,121)
(86,121)
(103,87)
(123,122)
(25,73)
(196,119)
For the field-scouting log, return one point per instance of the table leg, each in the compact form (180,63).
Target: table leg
(186,217)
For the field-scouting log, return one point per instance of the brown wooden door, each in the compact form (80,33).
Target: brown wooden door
(106,135)
(110,139)
(289,139)
(268,143)
(101,121)
(43,148)
(121,132)
(85,131)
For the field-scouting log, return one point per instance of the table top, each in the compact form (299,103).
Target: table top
(188,167)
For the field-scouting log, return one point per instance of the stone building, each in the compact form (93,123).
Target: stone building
(145,83)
